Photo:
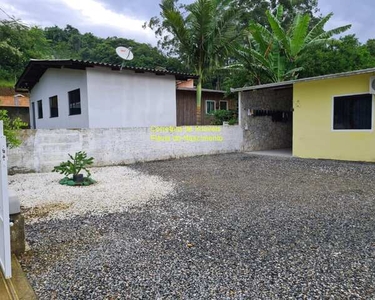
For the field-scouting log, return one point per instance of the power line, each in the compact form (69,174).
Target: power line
(13,18)
(9,16)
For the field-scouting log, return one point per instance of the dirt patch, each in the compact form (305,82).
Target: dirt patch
(44,211)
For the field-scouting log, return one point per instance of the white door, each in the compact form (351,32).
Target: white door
(5,256)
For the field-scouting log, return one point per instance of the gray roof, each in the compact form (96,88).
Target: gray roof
(291,82)
(36,68)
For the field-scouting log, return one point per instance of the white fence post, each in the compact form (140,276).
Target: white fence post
(5,254)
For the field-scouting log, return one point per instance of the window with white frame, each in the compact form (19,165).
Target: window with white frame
(210,107)
(223,105)
(353,112)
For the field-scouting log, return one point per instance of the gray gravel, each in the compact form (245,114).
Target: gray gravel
(239,227)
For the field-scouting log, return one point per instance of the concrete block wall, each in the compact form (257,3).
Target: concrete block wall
(43,149)
(260,133)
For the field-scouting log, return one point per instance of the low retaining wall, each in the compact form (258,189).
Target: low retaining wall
(41,149)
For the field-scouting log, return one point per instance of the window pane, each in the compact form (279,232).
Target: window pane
(40,109)
(54,111)
(353,112)
(210,107)
(75,102)
(223,105)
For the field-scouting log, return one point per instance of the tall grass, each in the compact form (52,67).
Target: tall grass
(6,83)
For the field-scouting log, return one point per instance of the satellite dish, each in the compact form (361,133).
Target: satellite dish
(124,53)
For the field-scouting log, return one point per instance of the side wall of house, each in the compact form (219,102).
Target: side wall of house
(128,99)
(260,132)
(41,150)
(313,121)
(58,82)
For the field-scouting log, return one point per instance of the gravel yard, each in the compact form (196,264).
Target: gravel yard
(118,188)
(233,226)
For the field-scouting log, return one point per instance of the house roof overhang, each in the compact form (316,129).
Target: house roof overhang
(289,84)
(36,68)
(194,89)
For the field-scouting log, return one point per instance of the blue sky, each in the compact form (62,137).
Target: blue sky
(124,18)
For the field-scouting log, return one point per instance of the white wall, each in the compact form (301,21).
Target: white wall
(127,99)
(59,82)
(41,150)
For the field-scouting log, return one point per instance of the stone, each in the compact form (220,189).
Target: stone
(17,234)
(14,203)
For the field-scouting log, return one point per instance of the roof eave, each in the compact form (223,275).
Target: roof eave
(23,85)
(292,82)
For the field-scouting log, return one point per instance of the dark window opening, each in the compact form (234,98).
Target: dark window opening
(352,112)
(40,109)
(223,105)
(54,110)
(75,102)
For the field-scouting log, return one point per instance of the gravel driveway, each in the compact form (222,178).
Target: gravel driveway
(236,227)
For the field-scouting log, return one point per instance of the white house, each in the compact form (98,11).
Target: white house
(82,94)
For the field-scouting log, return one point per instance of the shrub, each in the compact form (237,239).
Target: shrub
(73,167)
(221,116)
(11,128)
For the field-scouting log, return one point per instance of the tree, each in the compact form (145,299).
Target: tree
(371,46)
(19,44)
(346,54)
(11,129)
(203,34)
(254,10)
(273,53)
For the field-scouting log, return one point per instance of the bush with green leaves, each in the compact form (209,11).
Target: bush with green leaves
(11,129)
(221,116)
(73,168)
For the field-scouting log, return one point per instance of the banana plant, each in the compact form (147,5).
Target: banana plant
(272,52)
(77,163)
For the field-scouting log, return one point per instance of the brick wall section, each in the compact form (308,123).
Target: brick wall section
(43,149)
(261,132)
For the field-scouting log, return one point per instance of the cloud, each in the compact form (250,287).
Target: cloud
(358,13)
(95,13)
(86,15)
(124,18)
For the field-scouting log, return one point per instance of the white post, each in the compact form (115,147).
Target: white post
(5,254)
(239,109)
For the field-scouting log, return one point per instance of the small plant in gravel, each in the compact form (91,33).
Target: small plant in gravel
(72,170)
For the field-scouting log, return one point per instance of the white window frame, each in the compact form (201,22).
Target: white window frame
(352,130)
(214,101)
(226,101)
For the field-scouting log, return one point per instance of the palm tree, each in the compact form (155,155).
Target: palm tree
(273,53)
(204,37)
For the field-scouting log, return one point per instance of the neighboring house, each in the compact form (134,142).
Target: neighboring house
(17,104)
(325,117)
(82,94)
(212,100)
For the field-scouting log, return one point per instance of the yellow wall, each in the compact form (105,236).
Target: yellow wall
(313,136)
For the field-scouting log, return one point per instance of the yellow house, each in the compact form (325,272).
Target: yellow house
(325,117)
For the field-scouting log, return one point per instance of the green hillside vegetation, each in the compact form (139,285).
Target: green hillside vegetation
(265,40)
(19,44)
